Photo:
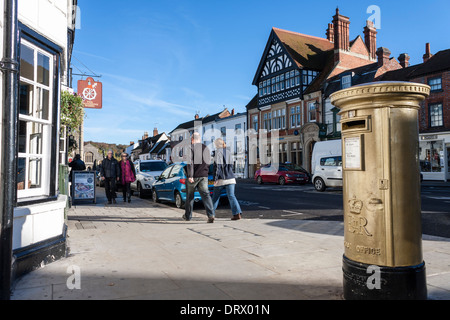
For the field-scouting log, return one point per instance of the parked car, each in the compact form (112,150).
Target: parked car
(171,186)
(326,165)
(282,175)
(295,167)
(147,172)
(328,173)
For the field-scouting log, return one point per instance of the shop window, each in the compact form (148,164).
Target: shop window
(431,156)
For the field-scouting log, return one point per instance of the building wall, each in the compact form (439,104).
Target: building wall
(434,143)
(39,219)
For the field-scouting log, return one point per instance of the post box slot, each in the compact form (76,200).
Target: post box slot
(357,124)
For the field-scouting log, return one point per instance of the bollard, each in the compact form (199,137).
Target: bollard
(381,191)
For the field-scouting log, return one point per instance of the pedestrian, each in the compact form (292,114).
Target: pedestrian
(110,173)
(224,179)
(198,162)
(127,175)
(77,165)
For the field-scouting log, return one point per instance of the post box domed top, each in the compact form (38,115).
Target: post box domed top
(381,94)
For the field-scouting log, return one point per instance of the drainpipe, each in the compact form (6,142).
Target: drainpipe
(8,197)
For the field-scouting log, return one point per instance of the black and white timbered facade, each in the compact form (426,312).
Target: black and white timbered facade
(279,78)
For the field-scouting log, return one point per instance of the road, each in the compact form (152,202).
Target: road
(270,201)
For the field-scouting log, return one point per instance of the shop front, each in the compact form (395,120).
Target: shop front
(434,156)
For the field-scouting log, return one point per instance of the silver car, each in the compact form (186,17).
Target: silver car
(147,172)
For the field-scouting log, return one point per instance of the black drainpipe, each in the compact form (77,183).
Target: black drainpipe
(8,196)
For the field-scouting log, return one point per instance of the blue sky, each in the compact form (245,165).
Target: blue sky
(163,61)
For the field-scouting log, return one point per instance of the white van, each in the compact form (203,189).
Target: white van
(326,164)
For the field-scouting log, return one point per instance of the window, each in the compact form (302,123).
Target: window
(435,84)
(296,117)
(267,121)
(89,157)
(346,82)
(36,121)
(436,115)
(279,119)
(312,111)
(331,161)
(308,77)
(255,123)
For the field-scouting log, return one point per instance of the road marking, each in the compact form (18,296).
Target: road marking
(291,213)
(261,207)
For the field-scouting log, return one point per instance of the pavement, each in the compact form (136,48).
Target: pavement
(145,251)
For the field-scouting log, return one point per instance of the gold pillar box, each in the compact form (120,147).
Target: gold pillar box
(381,177)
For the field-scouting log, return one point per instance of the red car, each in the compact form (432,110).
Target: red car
(282,176)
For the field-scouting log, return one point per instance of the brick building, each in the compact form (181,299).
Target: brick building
(291,79)
(434,115)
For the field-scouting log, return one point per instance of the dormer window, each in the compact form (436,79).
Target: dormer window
(346,82)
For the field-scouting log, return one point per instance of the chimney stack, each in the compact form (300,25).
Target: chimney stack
(145,136)
(403,59)
(197,117)
(131,143)
(330,33)
(370,38)
(384,55)
(155,132)
(341,26)
(427,54)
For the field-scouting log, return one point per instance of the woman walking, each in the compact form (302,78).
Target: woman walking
(127,175)
(224,178)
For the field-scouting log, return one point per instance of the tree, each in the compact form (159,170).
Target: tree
(72,111)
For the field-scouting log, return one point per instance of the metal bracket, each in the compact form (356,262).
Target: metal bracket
(9,65)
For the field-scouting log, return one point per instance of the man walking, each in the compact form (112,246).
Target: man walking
(199,160)
(110,173)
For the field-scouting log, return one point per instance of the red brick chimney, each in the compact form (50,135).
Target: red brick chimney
(384,55)
(403,59)
(155,132)
(341,26)
(370,38)
(330,32)
(427,54)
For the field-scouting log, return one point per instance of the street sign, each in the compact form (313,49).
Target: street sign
(91,92)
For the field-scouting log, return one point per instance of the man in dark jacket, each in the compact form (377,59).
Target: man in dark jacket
(199,160)
(110,173)
(77,165)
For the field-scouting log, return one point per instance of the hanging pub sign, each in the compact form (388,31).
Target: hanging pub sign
(91,92)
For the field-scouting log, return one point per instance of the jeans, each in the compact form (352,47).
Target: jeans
(202,185)
(234,204)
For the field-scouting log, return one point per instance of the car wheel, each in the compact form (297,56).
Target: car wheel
(319,185)
(155,196)
(179,201)
(259,180)
(281,181)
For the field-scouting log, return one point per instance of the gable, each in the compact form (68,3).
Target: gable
(275,59)
(358,46)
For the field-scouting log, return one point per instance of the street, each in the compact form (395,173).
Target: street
(302,202)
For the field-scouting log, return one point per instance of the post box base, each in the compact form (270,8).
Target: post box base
(366,282)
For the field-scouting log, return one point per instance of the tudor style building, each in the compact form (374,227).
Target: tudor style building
(290,77)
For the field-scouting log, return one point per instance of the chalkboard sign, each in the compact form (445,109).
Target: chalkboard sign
(83,186)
